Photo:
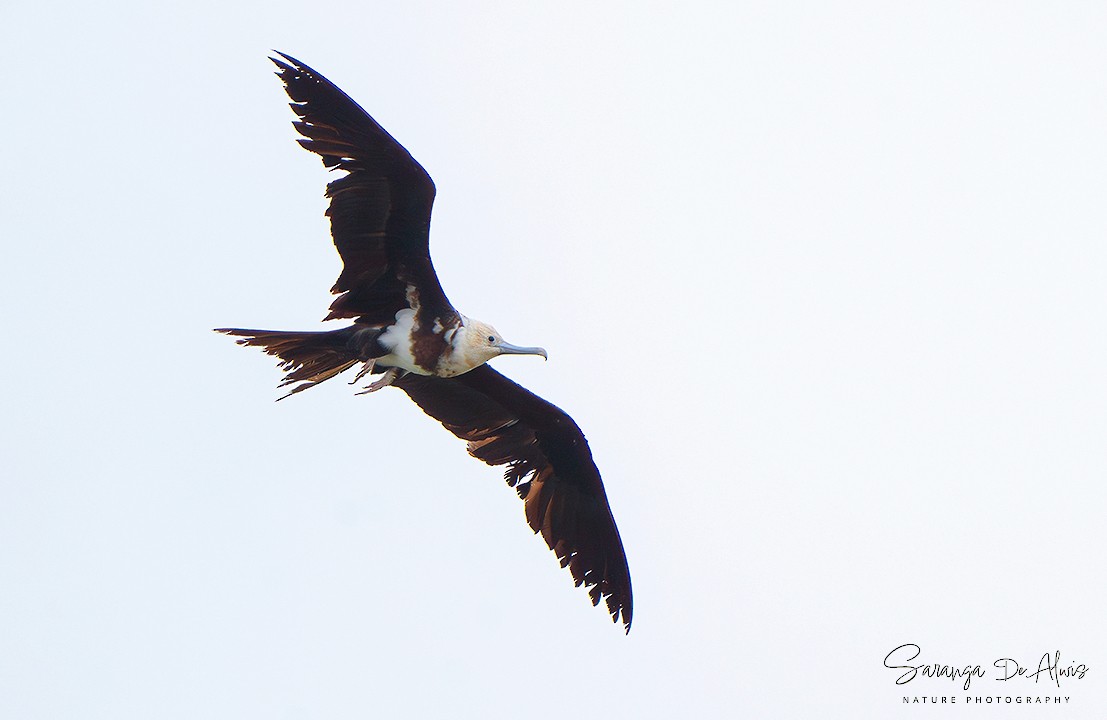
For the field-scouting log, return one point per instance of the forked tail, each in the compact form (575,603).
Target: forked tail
(308,358)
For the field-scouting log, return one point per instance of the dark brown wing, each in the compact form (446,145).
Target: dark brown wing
(549,465)
(380,211)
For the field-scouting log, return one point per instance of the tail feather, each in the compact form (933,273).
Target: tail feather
(308,358)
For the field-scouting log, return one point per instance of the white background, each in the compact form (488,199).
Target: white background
(822,283)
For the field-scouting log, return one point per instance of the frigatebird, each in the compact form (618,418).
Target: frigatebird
(405,330)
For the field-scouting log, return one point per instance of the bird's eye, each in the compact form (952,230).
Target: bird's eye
(491,338)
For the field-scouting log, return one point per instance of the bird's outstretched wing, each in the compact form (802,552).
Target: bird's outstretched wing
(380,211)
(549,465)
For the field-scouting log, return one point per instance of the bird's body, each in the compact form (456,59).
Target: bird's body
(446,348)
(407,331)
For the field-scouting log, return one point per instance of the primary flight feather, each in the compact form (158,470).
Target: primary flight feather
(406,331)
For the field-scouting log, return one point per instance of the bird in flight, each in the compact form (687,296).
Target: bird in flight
(406,334)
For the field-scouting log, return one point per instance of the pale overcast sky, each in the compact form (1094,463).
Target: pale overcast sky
(823,283)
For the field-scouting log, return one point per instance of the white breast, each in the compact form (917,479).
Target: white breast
(397,340)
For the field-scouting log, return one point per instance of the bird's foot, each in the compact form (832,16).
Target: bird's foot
(389,376)
(365,369)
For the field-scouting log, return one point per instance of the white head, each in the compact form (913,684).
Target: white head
(476,343)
